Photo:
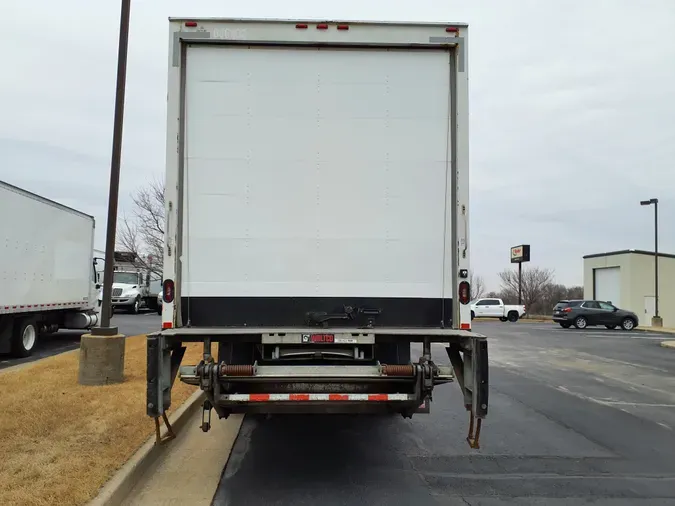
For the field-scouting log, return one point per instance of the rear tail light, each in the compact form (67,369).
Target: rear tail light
(464,292)
(567,310)
(168,290)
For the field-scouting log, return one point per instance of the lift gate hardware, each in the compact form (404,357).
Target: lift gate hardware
(468,357)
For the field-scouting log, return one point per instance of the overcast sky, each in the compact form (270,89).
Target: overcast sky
(572,112)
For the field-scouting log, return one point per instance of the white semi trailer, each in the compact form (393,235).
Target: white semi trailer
(48,276)
(317,200)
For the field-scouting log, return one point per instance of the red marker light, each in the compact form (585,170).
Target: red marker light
(343,27)
(301,26)
(464,292)
(452,29)
(191,24)
(168,290)
(322,26)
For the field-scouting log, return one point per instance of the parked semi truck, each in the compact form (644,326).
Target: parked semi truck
(135,286)
(48,272)
(317,211)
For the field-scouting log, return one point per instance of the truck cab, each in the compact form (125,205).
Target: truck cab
(133,288)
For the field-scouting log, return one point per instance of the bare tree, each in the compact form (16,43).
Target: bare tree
(143,233)
(535,283)
(477,286)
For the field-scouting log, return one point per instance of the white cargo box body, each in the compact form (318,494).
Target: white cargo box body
(313,168)
(46,250)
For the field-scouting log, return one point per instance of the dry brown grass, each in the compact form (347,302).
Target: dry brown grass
(60,441)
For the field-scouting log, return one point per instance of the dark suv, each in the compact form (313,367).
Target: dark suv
(584,313)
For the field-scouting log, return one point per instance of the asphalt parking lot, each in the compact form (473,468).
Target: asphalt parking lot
(576,417)
(67,340)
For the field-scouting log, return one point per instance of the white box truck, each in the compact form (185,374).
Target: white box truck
(317,206)
(47,270)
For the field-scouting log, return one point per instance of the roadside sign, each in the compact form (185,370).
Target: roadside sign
(520,254)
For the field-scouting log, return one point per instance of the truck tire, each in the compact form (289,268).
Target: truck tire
(393,353)
(25,337)
(136,308)
(512,316)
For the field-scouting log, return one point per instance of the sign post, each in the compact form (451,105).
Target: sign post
(520,254)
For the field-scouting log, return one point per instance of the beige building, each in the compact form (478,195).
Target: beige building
(626,278)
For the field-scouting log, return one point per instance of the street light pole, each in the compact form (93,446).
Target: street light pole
(102,351)
(656,321)
(115,163)
(656,258)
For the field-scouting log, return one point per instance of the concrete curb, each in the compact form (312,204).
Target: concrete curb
(116,490)
(668,344)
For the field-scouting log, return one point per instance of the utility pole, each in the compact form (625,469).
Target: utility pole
(102,351)
(657,321)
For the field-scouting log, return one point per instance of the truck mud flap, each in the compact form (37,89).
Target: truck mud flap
(469,359)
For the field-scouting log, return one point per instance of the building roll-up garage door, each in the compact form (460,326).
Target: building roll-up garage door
(608,285)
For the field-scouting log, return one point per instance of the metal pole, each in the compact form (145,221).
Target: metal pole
(656,259)
(113,196)
(520,283)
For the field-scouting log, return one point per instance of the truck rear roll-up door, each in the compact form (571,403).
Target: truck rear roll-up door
(316,175)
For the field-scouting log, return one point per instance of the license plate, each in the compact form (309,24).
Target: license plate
(318,338)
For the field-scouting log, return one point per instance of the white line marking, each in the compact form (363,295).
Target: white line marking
(614,403)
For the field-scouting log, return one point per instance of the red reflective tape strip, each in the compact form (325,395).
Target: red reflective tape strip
(259,397)
(298,397)
(465,326)
(338,397)
(378,397)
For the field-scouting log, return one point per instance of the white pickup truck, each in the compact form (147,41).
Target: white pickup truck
(495,308)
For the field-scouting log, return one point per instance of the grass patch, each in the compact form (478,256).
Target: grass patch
(61,441)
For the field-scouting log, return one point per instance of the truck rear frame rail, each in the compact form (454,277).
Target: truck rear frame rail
(275,387)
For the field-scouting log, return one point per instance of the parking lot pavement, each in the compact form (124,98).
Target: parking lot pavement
(67,340)
(575,417)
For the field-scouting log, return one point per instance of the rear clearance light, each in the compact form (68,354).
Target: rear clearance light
(452,29)
(343,27)
(191,24)
(322,26)
(567,310)
(167,325)
(464,292)
(301,26)
(168,290)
